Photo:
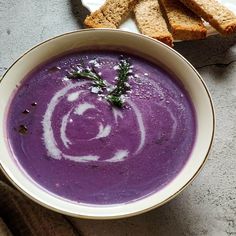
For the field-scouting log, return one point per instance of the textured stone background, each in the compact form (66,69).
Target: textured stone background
(208,205)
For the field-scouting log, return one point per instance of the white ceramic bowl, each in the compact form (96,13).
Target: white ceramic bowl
(137,43)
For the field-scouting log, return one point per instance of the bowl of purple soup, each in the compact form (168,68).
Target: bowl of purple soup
(103,123)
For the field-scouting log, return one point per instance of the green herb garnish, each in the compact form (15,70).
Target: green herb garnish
(89,73)
(115,97)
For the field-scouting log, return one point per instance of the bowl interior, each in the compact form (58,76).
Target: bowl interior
(138,44)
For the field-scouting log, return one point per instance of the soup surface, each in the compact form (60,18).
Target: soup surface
(76,143)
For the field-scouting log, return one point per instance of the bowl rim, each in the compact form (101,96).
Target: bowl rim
(134,212)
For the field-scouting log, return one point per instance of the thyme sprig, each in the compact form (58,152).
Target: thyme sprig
(116,96)
(88,73)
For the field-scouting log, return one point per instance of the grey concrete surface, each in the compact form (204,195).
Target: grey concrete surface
(208,205)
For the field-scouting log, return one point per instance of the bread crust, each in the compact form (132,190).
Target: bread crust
(111,14)
(182,22)
(151,22)
(116,11)
(219,17)
(98,20)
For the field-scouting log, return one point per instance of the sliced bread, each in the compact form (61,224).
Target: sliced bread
(98,20)
(183,23)
(111,14)
(151,22)
(219,17)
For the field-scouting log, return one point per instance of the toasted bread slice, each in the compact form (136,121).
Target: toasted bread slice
(219,17)
(98,20)
(183,23)
(151,22)
(111,14)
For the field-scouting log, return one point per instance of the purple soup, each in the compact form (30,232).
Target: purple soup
(76,144)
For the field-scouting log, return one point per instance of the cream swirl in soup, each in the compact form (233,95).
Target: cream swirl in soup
(73,142)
